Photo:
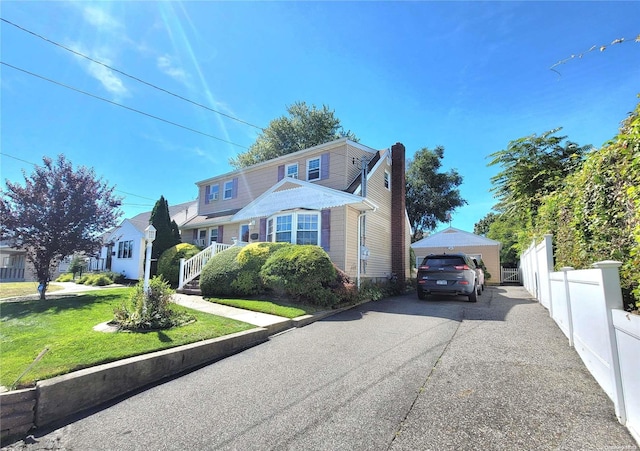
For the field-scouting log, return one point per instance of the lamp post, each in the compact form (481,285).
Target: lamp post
(149,236)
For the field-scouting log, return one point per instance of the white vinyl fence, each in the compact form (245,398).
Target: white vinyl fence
(587,306)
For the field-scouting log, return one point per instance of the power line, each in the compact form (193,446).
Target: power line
(121,105)
(75,52)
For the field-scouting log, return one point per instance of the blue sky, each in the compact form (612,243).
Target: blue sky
(470,76)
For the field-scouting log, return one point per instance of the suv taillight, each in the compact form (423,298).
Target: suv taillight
(461,267)
(423,268)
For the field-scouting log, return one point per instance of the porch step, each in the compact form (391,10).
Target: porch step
(192,288)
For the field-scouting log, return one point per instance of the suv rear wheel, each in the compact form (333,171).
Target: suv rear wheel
(473,297)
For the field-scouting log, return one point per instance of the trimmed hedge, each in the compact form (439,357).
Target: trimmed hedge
(303,272)
(219,274)
(169,261)
(251,259)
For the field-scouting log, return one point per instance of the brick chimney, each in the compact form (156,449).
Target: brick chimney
(398,205)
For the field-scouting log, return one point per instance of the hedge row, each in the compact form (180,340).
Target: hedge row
(303,273)
(596,215)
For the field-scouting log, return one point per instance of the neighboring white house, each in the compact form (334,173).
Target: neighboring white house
(124,249)
(451,240)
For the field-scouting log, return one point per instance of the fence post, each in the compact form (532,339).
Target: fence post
(567,294)
(613,300)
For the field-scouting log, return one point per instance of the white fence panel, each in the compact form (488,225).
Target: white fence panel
(561,303)
(590,329)
(627,327)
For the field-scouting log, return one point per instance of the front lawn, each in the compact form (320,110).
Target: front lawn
(16,289)
(65,326)
(271,307)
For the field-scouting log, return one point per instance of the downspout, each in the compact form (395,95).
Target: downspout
(360,216)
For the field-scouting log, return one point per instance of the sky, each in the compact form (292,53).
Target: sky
(469,76)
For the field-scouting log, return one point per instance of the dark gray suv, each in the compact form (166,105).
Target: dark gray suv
(448,274)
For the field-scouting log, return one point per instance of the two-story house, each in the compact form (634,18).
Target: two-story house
(315,196)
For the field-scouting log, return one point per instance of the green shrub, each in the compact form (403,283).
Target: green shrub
(303,272)
(251,259)
(100,280)
(114,276)
(66,277)
(219,274)
(169,261)
(145,311)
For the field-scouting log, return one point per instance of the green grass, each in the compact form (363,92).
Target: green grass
(65,326)
(271,307)
(15,289)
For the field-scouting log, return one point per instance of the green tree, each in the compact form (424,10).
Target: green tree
(302,128)
(165,228)
(531,168)
(431,195)
(56,213)
(482,227)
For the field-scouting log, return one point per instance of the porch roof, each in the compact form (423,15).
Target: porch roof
(291,194)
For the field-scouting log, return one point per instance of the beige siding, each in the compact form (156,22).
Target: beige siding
(338,237)
(378,225)
(351,243)
(255,180)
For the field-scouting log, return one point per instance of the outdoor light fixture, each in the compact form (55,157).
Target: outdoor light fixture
(149,236)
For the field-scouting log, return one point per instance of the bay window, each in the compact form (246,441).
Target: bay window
(296,228)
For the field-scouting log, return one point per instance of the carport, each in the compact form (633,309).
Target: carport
(452,240)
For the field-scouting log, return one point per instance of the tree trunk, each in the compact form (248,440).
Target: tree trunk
(42,289)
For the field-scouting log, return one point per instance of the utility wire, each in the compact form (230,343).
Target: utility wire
(121,105)
(75,52)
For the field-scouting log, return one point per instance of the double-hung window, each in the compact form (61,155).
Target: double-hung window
(387,180)
(125,249)
(307,230)
(214,192)
(313,169)
(228,190)
(291,170)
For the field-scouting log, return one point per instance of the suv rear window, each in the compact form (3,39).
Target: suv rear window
(443,261)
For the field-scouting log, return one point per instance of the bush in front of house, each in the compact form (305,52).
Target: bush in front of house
(66,277)
(302,272)
(151,310)
(169,261)
(251,259)
(219,273)
(96,279)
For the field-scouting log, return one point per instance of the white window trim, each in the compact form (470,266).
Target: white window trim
(319,160)
(387,179)
(224,193)
(286,170)
(214,195)
(294,225)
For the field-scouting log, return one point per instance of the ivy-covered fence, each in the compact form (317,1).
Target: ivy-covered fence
(595,215)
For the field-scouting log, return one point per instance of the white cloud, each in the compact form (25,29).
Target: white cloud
(166,65)
(100,18)
(110,81)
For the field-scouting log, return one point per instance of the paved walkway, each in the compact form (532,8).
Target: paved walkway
(255,318)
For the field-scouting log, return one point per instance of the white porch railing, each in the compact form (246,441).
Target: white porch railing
(191,268)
